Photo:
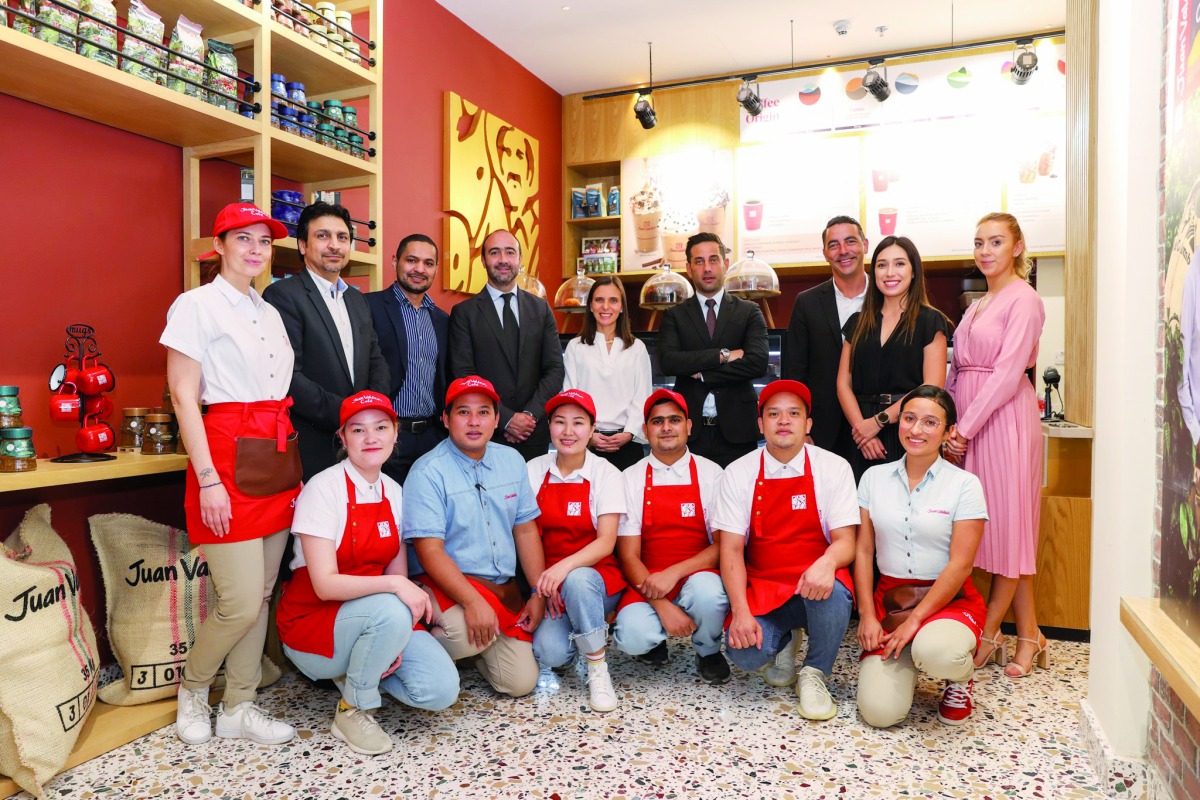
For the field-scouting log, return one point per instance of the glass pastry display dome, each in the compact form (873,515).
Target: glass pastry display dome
(571,297)
(531,284)
(664,290)
(752,279)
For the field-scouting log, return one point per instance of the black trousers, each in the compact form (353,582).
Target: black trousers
(410,447)
(629,454)
(707,441)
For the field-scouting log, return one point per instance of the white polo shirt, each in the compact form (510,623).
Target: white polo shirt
(708,473)
(606,493)
(321,507)
(913,529)
(833,484)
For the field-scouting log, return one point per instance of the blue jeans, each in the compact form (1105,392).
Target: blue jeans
(556,641)
(367,636)
(702,597)
(825,620)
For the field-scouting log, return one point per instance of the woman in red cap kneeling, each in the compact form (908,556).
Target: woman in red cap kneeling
(581,497)
(348,612)
(228,349)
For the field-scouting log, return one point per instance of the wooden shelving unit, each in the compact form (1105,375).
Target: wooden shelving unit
(126,465)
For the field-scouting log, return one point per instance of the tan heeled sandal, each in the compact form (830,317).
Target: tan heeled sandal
(998,653)
(1041,658)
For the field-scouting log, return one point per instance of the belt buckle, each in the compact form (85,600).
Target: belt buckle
(418,426)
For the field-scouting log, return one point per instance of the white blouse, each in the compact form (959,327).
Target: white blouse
(618,381)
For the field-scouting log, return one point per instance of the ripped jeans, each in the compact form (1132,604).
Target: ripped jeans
(583,627)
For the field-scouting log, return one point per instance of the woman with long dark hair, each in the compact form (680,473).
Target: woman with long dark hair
(613,366)
(896,343)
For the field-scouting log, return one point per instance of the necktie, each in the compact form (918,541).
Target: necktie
(710,319)
(511,334)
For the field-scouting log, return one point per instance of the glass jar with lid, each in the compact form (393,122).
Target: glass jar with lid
(133,428)
(752,279)
(571,297)
(159,438)
(664,290)
(531,284)
(10,407)
(16,450)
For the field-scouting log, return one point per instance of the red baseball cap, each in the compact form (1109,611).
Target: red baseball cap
(361,402)
(663,396)
(467,385)
(776,387)
(243,215)
(579,398)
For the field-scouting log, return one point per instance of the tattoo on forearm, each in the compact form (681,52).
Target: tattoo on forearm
(206,473)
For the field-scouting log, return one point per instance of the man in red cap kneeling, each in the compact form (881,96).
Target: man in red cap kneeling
(787,516)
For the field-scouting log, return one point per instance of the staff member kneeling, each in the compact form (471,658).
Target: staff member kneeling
(349,608)
(582,498)
(922,517)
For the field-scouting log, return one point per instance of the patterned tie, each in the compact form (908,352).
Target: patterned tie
(511,334)
(710,319)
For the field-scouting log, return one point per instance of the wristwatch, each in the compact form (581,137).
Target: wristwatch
(724,355)
(882,419)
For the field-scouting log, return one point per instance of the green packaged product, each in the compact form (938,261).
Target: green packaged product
(23,24)
(146,23)
(61,15)
(92,33)
(220,57)
(187,41)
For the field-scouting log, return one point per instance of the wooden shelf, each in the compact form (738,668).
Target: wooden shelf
(300,160)
(1168,647)
(126,465)
(227,20)
(596,222)
(50,76)
(596,169)
(287,256)
(304,61)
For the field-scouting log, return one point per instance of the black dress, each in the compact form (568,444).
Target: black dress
(894,367)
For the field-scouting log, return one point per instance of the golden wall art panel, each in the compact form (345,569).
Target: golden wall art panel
(491,183)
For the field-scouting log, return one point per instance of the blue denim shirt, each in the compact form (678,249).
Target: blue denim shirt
(471,505)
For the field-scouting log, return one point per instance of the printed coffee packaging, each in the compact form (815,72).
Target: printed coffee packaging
(593,194)
(614,201)
(578,202)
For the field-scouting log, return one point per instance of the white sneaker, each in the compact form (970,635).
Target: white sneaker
(815,702)
(783,671)
(248,721)
(601,694)
(359,730)
(193,723)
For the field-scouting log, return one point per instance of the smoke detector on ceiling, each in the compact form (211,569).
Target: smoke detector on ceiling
(842,26)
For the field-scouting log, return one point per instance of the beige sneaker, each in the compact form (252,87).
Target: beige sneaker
(601,695)
(359,730)
(783,671)
(815,702)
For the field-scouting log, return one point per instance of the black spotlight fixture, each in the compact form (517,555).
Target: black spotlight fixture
(644,111)
(875,83)
(1025,63)
(748,98)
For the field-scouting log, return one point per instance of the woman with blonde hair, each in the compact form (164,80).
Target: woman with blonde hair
(999,435)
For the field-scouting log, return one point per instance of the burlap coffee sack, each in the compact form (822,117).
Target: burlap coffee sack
(157,594)
(47,654)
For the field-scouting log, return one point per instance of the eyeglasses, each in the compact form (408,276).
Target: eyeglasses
(910,420)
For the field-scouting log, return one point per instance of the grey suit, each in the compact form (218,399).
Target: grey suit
(476,336)
(321,380)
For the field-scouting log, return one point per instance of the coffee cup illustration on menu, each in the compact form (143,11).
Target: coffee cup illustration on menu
(646,206)
(752,214)
(887,221)
(879,179)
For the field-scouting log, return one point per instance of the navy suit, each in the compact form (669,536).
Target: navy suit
(393,344)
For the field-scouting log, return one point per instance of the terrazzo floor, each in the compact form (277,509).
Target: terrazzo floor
(672,737)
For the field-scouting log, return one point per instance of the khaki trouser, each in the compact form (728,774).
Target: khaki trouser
(507,663)
(243,577)
(942,649)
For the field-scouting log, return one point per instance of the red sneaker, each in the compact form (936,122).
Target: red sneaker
(956,705)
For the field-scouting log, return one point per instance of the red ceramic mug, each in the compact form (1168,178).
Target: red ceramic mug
(95,437)
(65,404)
(100,407)
(96,379)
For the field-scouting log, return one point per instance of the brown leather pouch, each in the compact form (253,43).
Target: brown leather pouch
(260,470)
(507,593)
(899,602)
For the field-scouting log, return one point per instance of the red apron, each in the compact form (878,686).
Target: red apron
(786,538)
(672,529)
(969,609)
(566,528)
(506,619)
(370,541)
(253,517)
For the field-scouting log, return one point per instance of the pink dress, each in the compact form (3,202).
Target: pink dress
(998,414)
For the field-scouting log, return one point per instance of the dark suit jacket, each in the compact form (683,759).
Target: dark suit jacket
(393,342)
(811,355)
(321,379)
(685,348)
(476,349)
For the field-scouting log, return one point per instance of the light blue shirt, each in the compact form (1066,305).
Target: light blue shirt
(498,301)
(912,529)
(471,505)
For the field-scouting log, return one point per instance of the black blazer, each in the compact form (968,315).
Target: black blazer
(475,349)
(321,379)
(393,342)
(685,348)
(811,355)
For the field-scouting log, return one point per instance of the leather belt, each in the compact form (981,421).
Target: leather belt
(416,424)
(708,421)
(879,398)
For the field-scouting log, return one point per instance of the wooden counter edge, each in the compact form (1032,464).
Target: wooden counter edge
(1171,650)
(126,465)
